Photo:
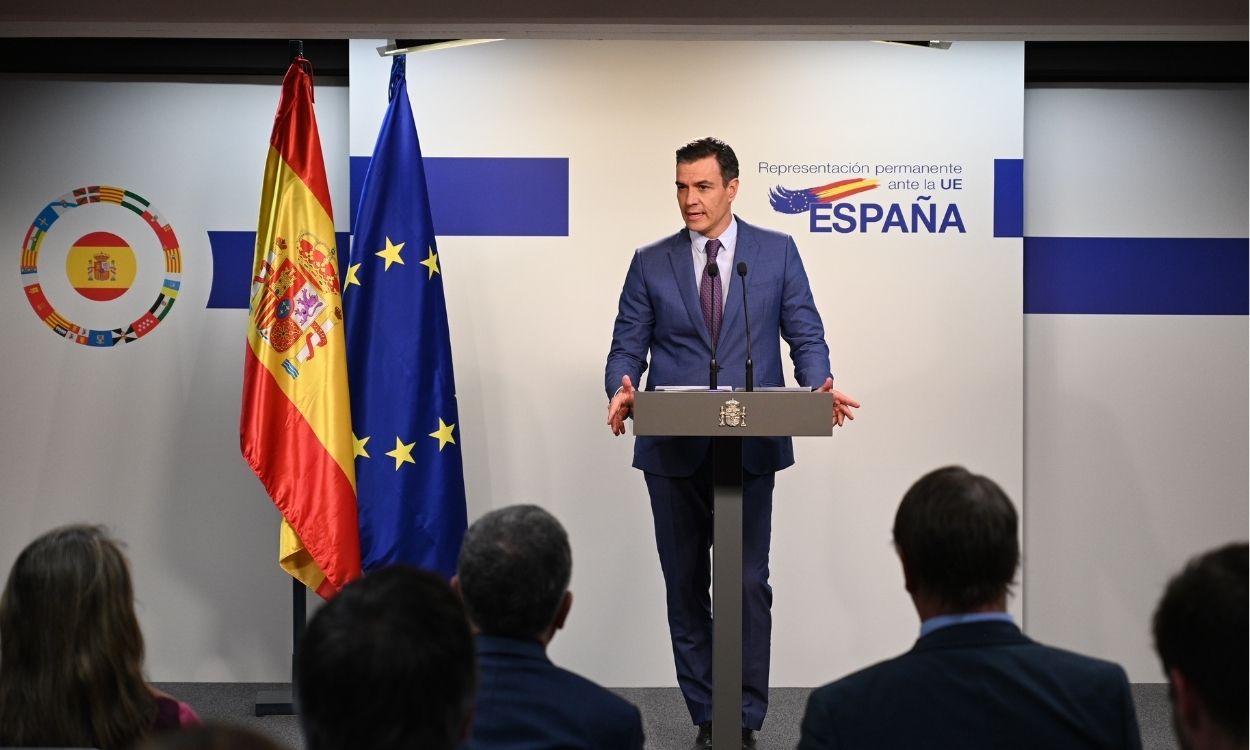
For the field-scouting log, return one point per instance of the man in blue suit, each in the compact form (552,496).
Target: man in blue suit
(972,680)
(673,314)
(513,574)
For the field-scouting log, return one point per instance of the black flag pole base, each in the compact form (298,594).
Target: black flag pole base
(275,703)
(282,702)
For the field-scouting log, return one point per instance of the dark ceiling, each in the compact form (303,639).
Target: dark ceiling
(1045,62)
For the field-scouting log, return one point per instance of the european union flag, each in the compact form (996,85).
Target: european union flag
(409,475)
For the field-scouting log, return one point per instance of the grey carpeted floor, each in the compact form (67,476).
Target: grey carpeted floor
(667,724)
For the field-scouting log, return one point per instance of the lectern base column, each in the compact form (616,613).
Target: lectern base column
(729,418)
(727,594)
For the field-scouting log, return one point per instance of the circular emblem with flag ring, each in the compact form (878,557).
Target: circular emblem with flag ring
(101,266)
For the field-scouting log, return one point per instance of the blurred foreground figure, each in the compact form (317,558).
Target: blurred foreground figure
(1200,633)
(71,654)
(387,664)
(514,571)
(210,737)
(972,680)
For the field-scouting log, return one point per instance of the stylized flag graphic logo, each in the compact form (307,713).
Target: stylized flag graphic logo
(799,201)
(100,266)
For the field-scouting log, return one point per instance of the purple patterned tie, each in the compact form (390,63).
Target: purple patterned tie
(710,294)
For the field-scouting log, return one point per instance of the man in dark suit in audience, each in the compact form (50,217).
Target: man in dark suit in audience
(972,680)
(1200,634)
(386,664)
(513,573)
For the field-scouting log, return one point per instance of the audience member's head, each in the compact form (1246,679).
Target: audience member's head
(387,664)
(955,533)
(1200,633)
(210,737)
(514,572)
(71,653)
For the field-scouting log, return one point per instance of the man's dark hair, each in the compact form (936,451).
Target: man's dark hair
(956,532)
(387,664)
(514,568)
(1200,630)
(726,159)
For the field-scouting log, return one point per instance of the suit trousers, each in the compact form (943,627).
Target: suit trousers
(682,510)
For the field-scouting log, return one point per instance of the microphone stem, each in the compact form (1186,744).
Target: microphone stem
(746,320)
(712,271)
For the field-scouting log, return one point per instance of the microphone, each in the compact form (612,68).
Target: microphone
(711,270)
(742,274)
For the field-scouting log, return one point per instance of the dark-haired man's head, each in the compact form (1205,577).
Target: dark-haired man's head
(514,571)
(956,533)
(726,159)
(1200,634)
(387,664)
(707,183)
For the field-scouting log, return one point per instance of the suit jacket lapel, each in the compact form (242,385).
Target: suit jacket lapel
(683,274)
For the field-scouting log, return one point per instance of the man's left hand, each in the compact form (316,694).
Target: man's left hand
(842,403)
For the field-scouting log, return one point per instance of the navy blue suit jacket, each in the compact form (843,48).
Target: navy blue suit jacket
(659,313)
(524,702)
(972,686)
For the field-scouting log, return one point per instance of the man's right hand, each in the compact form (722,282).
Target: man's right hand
(621,406)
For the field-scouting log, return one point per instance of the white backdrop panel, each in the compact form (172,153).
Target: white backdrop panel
(924,329)
(1136,434)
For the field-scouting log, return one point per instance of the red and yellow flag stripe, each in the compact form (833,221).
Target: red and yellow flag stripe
(295,429)
(842,189)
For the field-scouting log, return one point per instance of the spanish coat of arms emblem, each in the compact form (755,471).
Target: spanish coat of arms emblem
(733,414)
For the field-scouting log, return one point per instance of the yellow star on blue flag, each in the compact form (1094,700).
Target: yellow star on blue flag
(444,434)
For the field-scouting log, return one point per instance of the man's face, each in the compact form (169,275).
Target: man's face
(704,198)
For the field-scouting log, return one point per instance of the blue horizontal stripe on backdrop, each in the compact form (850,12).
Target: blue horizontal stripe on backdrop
(1136,276)
(1062,275)
(469,196)
(490,196)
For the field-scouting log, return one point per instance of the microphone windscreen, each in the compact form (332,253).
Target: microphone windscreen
(742,269)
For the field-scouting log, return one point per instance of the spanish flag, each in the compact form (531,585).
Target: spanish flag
(295,429)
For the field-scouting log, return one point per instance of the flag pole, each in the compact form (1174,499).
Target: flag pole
(282,702)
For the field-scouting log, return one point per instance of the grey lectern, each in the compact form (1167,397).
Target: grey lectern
(730,416)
